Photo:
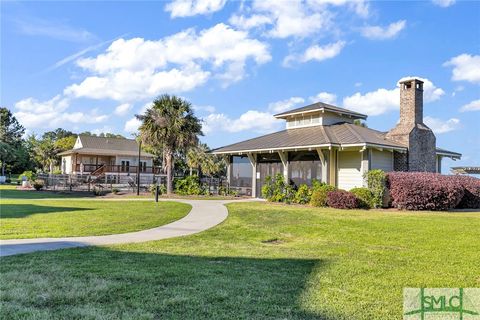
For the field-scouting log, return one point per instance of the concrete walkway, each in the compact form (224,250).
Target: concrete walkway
(204,215)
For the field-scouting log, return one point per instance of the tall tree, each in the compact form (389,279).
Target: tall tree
(11,132)
(199,158)
(171,125)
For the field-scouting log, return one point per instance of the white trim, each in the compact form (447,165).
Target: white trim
(295,148)
(453,156)
(323,109)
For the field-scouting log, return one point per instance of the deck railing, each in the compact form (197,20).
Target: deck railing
(114,168)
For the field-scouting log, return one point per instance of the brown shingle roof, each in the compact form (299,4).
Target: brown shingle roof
(107,146)
(322,106)
(315,136)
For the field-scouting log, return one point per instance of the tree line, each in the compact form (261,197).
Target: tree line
(169,130)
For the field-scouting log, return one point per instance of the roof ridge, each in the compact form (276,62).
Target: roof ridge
(266,135)
(325,133)
(354,132)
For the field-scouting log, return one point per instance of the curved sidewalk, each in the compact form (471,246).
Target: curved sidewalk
(204,215)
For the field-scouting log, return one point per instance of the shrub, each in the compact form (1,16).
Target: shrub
(342,199)
(276,190)
(267,188)
(31,176)
(8,180)
(424,191)
(115,190)
(37,185)
(471,196)
(319,195)
(190,185)
(365,197)
(376,181)
(303,195)
(57,171)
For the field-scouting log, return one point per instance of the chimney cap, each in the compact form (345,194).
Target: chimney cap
(410,79)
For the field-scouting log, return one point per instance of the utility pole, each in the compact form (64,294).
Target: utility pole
(138,166)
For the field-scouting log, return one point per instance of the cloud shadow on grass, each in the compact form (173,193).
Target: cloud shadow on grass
(131,285)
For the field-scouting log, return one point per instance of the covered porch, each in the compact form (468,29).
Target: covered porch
(342,167)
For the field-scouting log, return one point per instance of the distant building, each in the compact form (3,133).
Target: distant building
(112,157)
(322,142)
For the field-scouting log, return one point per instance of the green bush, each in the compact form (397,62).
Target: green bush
(319,195)
(57,171)
(162,189)
(303,194)
(267,189)
(31,176)
(190,185)
(115,190)
(365,197)
(276,190)
(289,194)
(376,180)
(37,185)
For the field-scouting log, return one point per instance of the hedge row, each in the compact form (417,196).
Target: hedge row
(432,191)
(406,190)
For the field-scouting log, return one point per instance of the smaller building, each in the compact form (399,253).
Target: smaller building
(112,157)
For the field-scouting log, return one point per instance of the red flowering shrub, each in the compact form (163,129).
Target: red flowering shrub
(471,197)
(342,199)
(424,191)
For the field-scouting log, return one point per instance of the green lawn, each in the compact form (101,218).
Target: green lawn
(264,262)
(20,218)
(11,192)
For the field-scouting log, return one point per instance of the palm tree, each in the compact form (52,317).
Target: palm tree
(200,158)
(170,125)
(196,157)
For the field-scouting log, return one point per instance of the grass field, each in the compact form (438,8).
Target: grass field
(22,218)
(264,262)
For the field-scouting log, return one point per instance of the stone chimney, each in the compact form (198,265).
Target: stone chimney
(412,132)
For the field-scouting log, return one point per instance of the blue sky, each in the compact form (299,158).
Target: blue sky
(94,65)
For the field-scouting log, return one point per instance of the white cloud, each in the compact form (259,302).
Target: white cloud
(252,120)
(443,3)
(123,109)
(442,126)
(383,100)
(373,103)
(382,33)
(298,18)
(472,106)
(52,113)
(188,8)
(284,105)
(315,52)
(138,68)
(131,125)
(38,27)
(209,109)
(466,67)
(324,97)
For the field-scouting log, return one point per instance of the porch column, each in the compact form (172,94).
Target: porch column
(253,161)
(229,169)
(439,164)
(332,165)
(324,162)
(366,163)
(286,170)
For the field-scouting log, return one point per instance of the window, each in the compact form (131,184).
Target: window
(305,167)
(143,166)
(241,175)
(125,166)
